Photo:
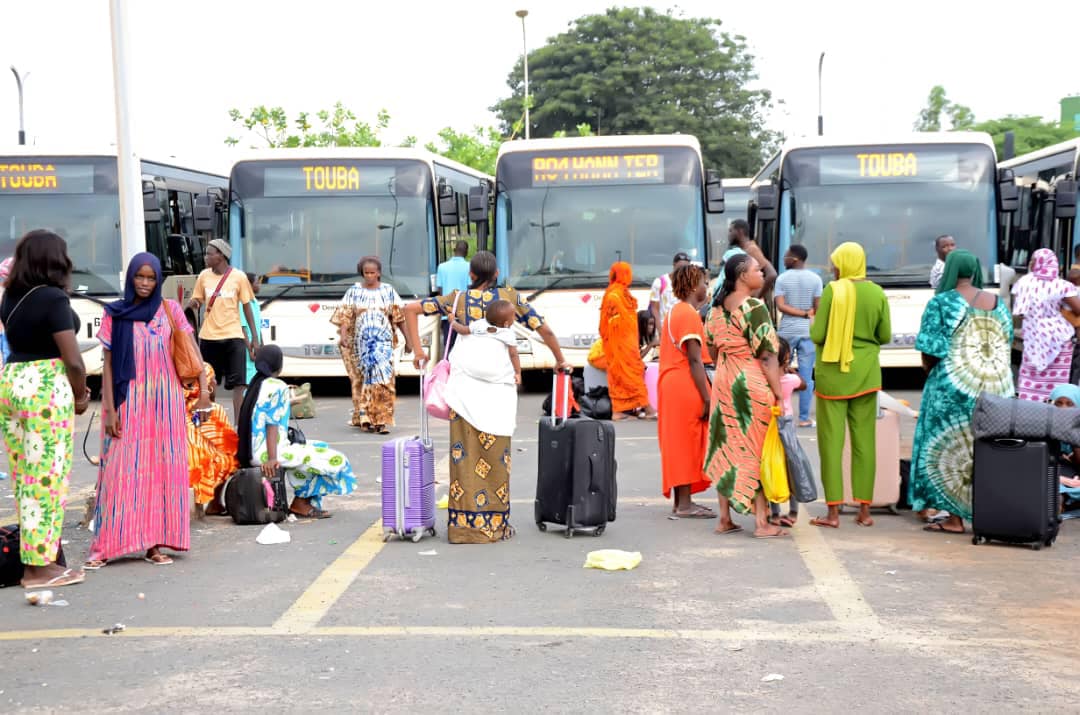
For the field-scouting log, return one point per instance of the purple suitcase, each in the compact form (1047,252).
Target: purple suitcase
(408,484)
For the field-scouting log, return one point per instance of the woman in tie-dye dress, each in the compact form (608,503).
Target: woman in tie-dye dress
(1039,297)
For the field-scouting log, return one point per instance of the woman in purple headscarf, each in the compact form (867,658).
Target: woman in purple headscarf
(1039,297)
(142,488)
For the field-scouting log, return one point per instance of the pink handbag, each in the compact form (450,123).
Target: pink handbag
(435,385)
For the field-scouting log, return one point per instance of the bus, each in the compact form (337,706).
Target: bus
(300,220)
(566,209)
(1046,181)
(893,197)
(736,200)
(76,195)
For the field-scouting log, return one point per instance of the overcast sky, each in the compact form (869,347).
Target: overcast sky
(434,64)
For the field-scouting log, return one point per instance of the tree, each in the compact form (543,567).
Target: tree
(1030,133)
(337,127)
(638,71)
(937,104)
(477,149)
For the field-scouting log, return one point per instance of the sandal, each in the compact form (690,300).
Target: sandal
(939,528)
(697,512)
(68,578)
(95,564)
(313,514)
(822,521)
(158,559)
(783,521)
(733,529)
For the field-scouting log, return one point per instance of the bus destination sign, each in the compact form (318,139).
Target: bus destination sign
(889,166)
(326,179)
(43,178)
(622,168)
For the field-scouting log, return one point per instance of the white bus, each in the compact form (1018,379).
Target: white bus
(300,220)
(893,197)
(1046,218)
(736,200)
(566,209)
(76,195)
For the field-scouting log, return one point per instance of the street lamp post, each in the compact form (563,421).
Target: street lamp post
(820,118)
(525,56)
(19,81)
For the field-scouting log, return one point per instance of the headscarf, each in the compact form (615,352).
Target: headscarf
(1067,390)
(1044,265)
(619,302)
(850,261)
(960,264)
(268,360)
(125,313)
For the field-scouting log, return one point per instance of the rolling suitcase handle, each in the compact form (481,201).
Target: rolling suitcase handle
(562,379)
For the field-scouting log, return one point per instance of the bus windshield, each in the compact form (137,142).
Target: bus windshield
(563,217)
(894,201)
(304,230)
(76,197)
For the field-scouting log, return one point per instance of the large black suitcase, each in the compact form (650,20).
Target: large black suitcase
(251,498)
(1015,492)
(575,476)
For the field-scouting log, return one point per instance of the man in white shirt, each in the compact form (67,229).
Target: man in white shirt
(944,246)
(661,297)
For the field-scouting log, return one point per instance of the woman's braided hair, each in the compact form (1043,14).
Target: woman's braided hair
(685,280)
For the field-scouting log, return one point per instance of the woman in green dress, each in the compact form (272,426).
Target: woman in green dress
(965,341)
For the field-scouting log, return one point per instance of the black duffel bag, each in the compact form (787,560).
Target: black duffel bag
(251,498)
(1003,417)
(596,403)
(11,565)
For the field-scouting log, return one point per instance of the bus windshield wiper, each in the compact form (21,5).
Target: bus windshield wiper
(567,274)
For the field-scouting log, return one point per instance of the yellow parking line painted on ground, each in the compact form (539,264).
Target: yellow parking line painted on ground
(833,582)
(318,598)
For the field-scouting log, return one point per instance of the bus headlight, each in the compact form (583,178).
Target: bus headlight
(901,340)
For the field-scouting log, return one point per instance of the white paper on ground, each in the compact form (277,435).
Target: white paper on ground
(273,534)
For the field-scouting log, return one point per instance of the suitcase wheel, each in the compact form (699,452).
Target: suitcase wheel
(569,533)
(417,535)
(541,526)
(386,536)
(976,540)
(1049,542)
(598,530)
(1037,546)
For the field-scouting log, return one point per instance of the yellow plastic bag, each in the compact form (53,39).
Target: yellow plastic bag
(774,481)
(596,355)
(613,560)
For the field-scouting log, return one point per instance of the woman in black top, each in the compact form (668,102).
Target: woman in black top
(42,388)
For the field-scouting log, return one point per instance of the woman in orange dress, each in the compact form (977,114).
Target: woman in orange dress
(741,339)
(212,446)
(619,333)
(683,394)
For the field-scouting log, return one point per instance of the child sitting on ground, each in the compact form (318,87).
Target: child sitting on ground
(1068,397)
(790,382)
(496,324)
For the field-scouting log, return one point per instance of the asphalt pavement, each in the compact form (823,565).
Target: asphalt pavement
(881,619)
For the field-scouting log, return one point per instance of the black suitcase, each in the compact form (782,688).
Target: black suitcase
(11,565)
(251,498)
(1015,492)
(575,476)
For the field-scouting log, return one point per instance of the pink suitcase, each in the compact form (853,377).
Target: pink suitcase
(887,477)
(408,483)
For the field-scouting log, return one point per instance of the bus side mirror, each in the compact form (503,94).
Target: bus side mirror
(1065,206)
(151,210)
(1008,193)
(204,212)
(478,203)
(714,193)
(448,206)
(765,201)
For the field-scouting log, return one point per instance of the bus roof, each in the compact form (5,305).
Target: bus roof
(355,152)
(632,141)
(217,169)
(1069,145)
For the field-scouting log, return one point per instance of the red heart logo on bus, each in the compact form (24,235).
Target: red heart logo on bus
(313,307)
(586,298)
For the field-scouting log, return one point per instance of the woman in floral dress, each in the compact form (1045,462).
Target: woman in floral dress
(368,320)
(313,469)
(965,339)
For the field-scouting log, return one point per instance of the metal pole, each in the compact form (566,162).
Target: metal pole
(132,236)
(820,118)
(525,55)
(19,81)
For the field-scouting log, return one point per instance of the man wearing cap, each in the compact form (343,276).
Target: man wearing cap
(222,339)
(661,297)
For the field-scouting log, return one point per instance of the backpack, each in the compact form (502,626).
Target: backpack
(251,498)
(11,565)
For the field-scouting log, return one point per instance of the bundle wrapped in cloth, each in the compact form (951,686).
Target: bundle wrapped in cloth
(1002,417)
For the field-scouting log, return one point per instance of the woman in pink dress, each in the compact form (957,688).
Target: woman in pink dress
(1039,297)
(142,488)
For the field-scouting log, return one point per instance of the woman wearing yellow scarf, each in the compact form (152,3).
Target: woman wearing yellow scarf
(851,325)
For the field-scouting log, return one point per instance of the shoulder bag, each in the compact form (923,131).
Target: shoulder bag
(186,359)
(435,386)
(217,291)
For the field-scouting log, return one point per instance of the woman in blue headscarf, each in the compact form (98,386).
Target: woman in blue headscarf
(142,488)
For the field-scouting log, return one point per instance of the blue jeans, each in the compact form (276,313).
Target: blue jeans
(804,350)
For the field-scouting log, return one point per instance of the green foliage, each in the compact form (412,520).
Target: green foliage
(1031,133)
(477,149)
(638,71)
(336,127)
